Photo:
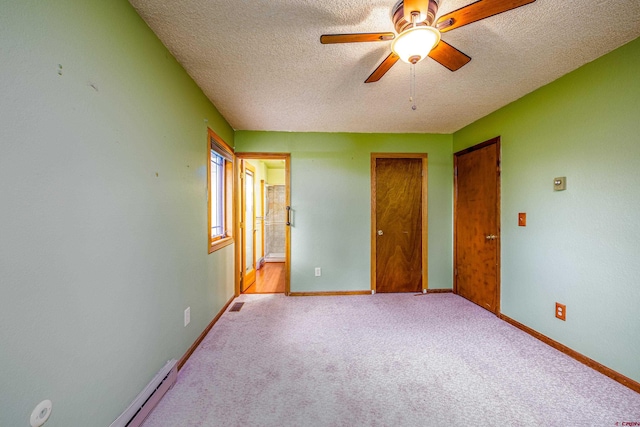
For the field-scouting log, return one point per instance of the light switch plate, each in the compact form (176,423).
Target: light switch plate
(522,219)
(560,183)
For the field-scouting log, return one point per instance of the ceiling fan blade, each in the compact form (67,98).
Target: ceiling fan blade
(475,12)
(421,6)
(449,56)
(355,38)
(383,68)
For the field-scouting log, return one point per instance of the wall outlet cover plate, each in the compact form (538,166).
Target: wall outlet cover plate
(560,183)
(41,413)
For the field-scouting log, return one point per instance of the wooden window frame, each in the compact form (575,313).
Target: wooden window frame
(222,149)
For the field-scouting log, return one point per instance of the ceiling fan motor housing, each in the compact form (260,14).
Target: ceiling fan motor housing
(401,24)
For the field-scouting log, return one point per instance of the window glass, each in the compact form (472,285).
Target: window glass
(220,185)
(217,195)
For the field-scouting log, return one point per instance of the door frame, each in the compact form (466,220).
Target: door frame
(251,277)
(484,144)
(262,227)
(425,214)
(240,246)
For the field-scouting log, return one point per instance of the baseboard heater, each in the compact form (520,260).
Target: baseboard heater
(148,398)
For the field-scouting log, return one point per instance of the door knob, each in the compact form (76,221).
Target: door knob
(380,233)
(491,237)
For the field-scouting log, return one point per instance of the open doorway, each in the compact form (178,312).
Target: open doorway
(263,223)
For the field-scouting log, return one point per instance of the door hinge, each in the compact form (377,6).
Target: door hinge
(455,171)
(456,271)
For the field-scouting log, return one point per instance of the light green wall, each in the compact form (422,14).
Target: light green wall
(331,202)
(99,256)
(276,176)
(580,246)
(103,210)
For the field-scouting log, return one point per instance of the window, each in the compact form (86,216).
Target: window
(217,195)
(220,185)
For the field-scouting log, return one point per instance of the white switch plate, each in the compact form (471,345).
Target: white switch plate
(318,271)
(187,316)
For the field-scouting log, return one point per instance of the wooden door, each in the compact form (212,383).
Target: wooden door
(399,220)
(249,236)
(477,226)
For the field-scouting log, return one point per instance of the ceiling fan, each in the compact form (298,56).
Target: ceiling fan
(418,32)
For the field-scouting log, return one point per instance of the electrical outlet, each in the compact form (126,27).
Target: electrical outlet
(318,272)
(560,183)
(187,316)
(561,311)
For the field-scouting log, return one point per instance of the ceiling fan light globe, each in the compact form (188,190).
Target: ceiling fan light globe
(414,44)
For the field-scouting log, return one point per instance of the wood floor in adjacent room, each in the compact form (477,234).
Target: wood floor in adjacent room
(269,279)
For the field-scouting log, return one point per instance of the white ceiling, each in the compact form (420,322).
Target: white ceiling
(262,65)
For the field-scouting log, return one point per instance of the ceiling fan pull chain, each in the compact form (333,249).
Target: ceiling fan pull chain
(412,96)
(414,18)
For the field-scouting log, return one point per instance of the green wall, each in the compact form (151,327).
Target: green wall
(103,208)
(276,177)
(580,246)
(103,229)
(331,202)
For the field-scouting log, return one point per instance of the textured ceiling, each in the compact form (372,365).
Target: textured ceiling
(261,62)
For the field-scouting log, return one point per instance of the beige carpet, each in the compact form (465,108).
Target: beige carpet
(383,360)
